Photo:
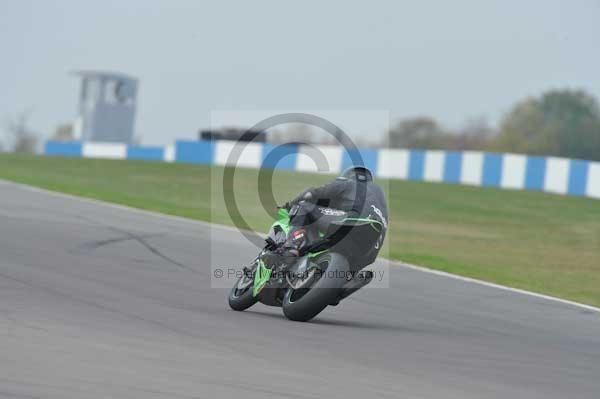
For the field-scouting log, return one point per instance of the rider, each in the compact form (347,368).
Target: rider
(353,193)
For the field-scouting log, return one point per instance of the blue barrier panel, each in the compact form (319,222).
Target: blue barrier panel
(535,172)
(279,156)
(578,172)
(361,157)
(492,169)
(416,164)
(452,166)
(194,151)
(148,153)
(64,148)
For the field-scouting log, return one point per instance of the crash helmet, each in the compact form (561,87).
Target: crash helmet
(360,173)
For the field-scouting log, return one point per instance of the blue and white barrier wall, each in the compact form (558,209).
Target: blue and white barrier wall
(109,150)
(510,171)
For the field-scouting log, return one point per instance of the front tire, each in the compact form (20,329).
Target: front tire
(240,296)
(306,303)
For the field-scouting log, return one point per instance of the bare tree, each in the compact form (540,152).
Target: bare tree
(294,133)
(23,138)
(418,132)
(476,134)
(425,132)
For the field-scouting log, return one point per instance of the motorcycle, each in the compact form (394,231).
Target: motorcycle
(328,270)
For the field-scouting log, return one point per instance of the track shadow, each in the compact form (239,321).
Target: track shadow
(328,322)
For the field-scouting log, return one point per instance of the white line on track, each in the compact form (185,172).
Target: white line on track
(229,228)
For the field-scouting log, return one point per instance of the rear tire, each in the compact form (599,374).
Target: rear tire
(304,304)
(241,299)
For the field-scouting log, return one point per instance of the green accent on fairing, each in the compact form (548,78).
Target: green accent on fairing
(261,276)
(283,213)
(321,234)
(313,254)
(283,220)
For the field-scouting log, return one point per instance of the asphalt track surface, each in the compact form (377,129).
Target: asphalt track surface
(102,302)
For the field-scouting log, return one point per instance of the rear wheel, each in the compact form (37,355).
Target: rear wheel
(323,288)
(240,296)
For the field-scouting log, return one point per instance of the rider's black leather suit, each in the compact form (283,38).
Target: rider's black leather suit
(357,199)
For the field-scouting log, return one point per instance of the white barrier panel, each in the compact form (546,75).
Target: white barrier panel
(169,153)
(104,150)
(593,180)
(309,156)
(250,157)
(556,179)
(513,171)
(472,168)
(434,165)
(392,163)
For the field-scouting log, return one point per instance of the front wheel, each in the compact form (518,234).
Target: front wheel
(305,303)
(240,296)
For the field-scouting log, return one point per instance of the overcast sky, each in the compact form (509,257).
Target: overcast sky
(452,60)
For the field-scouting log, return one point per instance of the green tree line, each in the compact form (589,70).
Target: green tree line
(562,123)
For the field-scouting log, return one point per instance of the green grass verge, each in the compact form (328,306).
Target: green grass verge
(530,240)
